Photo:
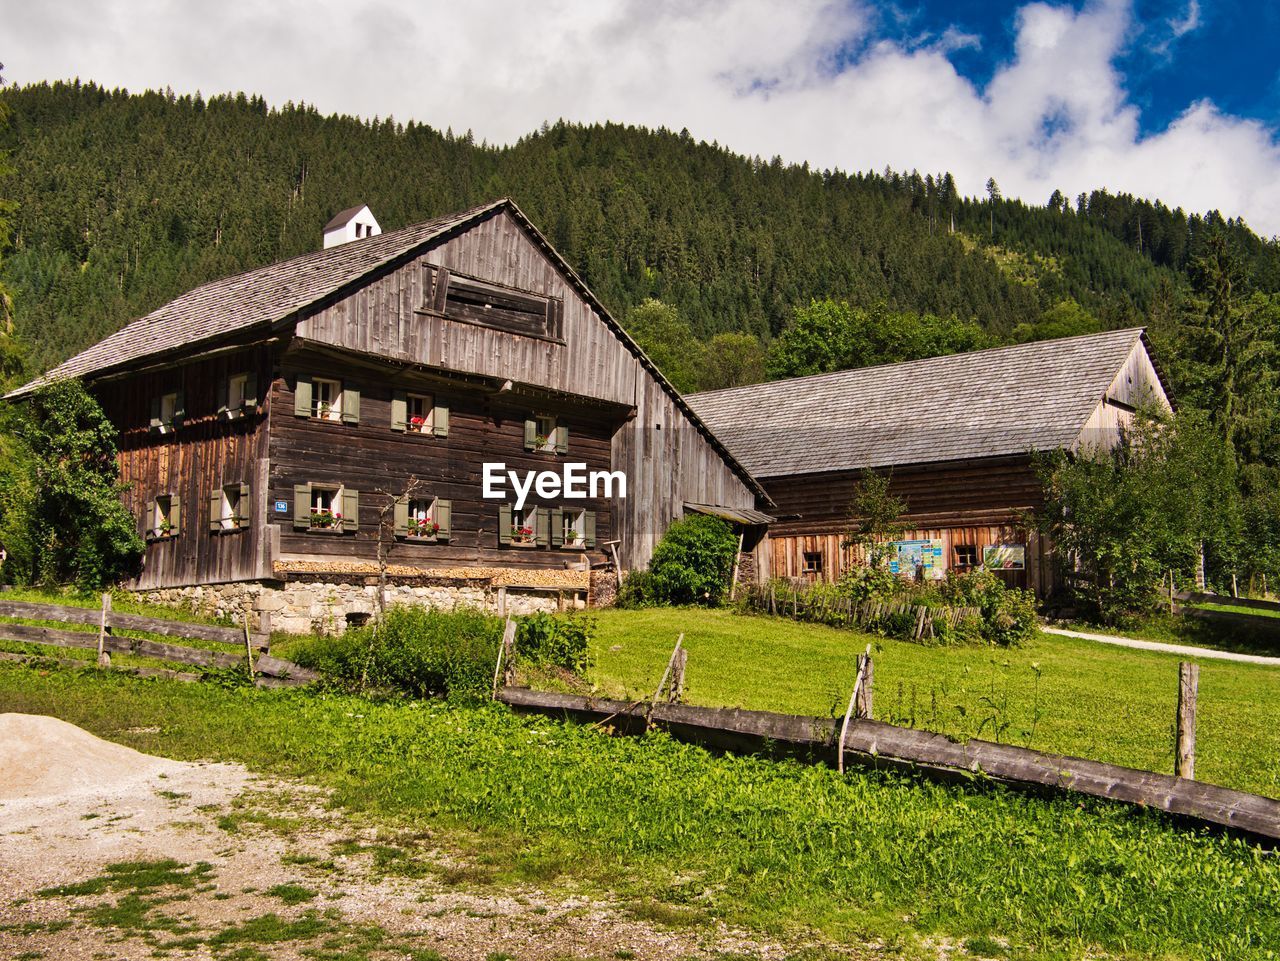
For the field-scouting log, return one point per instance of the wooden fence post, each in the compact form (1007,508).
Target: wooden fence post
(1188,684)
(104,659)
(504,653)
(853,699)
(676,691)
(865,692)
(248,643)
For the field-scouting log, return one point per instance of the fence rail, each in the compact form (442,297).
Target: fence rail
(253,655)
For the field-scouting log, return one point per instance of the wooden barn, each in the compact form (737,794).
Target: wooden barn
(956,436)
(271,423)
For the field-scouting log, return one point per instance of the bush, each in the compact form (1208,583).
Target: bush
(415,651)
(1008,614)
(639,589)
(563,641)
(692,563)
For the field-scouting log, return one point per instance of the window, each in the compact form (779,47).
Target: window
(239,395)
(573,528)
(229,508)
(167,412)
(544,433)
(811,562)
(966,556)
(421,414)
(320,508)
(521,528)
(326,399)
(493,305)
(165,517)
(424,519)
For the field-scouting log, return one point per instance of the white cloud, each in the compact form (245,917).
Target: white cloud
(806,80)
(1188,22)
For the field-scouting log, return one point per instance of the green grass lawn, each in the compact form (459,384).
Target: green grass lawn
(1055,693)
(1226,605)
(689,837)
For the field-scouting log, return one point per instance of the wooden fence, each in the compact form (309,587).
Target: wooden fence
(252,652)
(821,608)
(1260,623)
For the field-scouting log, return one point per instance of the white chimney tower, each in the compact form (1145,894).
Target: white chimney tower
(354,223)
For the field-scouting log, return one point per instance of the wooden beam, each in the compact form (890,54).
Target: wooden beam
(876,744)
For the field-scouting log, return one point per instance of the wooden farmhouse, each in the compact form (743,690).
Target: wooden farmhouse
(273,424)
(955,434)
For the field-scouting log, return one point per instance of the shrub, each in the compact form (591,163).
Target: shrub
(1008,613)
(693,562)
(639,589)
(548,640)
(415,651)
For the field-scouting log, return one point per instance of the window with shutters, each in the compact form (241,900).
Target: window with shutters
(240,395)
(326,398)
(573,528)
(524,527)
(425,520)
(326,508)
(544,433)
(166,412)
(229,508)
(420,415)
(164,517)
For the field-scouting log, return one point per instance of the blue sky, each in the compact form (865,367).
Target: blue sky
(1227,51)
(1171,99)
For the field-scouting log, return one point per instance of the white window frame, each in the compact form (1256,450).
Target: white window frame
(231,507)
(423,508)
(168,408)
(426,404)
(573,519)
(320,495)
(161,508)
(326,385)
(237,385)
(519,523)
(547,425)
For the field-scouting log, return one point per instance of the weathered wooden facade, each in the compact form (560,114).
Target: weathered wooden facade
(313,409)
(956,436)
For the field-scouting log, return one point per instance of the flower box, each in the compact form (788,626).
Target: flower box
(325,520)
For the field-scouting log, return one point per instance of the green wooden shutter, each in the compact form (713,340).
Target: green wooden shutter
(250,393)
(530,434)
(401,517)
(175,513)
(589,528)
(224,391)
(179,409)
(302,400)
(504,523)
(444,517)
(350,405)
(302,507)
(562,440)
(350,509)
(399,410)
(541,523)
(215,511)
(246,506)
(440,421)
(557,527)
(156,423)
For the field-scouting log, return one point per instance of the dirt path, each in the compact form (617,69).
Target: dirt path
(1186,650)
(107,853)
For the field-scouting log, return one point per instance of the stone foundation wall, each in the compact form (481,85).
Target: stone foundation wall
(329,607)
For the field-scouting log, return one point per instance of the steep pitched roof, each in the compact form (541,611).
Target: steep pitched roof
(343,217)
(256,298)
(1007,400)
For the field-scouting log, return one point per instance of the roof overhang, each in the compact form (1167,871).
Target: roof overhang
(735,515)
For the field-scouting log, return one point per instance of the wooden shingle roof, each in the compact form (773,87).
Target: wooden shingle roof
(988,403)
(261,298)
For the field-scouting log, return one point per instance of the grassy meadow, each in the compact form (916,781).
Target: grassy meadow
(686,837)
(1054,694)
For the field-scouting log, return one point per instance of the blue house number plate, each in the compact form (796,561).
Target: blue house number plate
(282,507)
